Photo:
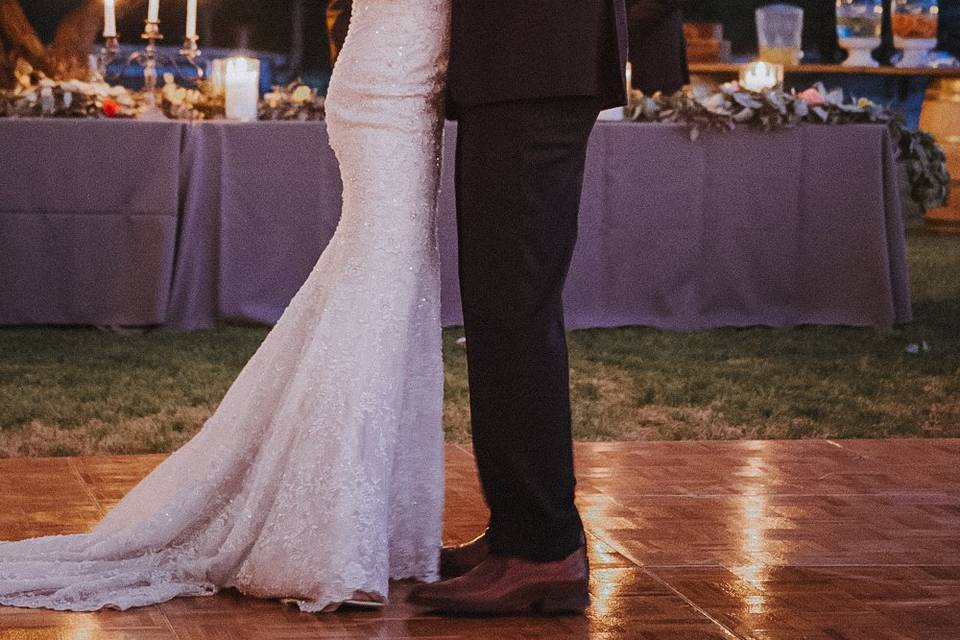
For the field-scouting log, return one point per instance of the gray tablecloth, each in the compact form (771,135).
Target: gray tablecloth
(88,221)
(798,227)
(749,228)
(261,202)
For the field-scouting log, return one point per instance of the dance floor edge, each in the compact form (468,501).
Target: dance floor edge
(779,540)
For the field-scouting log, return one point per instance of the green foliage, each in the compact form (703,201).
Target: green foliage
(925,167)
(80,391)
(296,101)
(37,96)
(181,103)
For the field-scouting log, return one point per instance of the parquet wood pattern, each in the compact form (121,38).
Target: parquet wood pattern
(785,540)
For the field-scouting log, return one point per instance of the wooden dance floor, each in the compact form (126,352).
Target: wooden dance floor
(844,540)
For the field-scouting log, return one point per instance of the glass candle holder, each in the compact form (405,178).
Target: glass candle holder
(216,74)
(859,24)
(759,76)
(241,84)
(915,24)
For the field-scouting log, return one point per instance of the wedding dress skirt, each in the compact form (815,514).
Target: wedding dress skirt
(321,473)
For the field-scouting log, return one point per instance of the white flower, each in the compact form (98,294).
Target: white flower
(173,94)
(730,88)
(75,86)
(302,94)
(650,108)
(716,103)
(47,104)
(23,68)
(835,97)
(747,100)
(699,92)
(272,99)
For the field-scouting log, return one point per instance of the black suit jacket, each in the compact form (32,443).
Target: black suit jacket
(658,50)
(506,50)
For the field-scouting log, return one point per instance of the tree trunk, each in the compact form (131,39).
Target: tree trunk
(6,68)
(20,38)
(75,39)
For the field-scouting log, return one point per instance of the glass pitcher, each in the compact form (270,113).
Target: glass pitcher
(780,33)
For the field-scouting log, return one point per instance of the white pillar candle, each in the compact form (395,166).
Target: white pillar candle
(629,74)
(242,88)
(191,18)
(109,19)
(153,11)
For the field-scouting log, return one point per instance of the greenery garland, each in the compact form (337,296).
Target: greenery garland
(922,161)
(920,157)
(37,96)
(181,103)
(296,101)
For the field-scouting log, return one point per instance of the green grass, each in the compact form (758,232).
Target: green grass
(68,391)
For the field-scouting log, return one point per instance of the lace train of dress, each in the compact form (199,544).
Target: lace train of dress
(321,473)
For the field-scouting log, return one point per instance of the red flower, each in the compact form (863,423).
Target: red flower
(110,108)
(813,97)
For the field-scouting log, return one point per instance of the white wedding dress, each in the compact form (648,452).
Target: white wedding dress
(321,473)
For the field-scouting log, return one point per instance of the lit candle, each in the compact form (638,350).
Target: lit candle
(242,88)
(109,19)
(153,11)
(191,18)
(759,76)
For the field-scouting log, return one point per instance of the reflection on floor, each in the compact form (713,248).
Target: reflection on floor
(845,540)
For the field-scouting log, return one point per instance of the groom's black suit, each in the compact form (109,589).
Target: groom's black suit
(527,80)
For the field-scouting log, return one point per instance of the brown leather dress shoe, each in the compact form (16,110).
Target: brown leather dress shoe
(511,585)
(460,559)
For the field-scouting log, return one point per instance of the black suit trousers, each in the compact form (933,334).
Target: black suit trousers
(519,177)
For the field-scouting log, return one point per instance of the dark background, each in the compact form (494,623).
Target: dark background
(737,16)
(820,40)
(265,25)
(269,24)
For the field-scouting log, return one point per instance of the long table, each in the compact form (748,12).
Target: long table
(792,228)
(89,213)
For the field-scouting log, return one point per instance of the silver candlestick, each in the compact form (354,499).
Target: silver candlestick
(108,53)
(150,58)
(191,51)
(152,35)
